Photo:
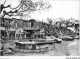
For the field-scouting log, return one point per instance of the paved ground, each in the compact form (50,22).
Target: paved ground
(66,48)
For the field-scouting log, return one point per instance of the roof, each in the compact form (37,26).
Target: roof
(7,19)
(25,20)
(32,20)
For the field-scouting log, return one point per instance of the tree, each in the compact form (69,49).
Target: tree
(26,7)
(49,20)
(2,6)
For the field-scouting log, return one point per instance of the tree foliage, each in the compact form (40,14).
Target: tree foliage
(27,6)
(60,28)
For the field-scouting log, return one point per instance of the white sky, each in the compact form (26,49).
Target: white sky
(60,8)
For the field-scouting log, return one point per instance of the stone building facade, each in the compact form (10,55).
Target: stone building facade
(11,27)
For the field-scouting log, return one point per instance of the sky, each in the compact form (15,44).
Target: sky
(60,8)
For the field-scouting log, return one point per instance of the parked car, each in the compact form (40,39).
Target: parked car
(67,38)
(57,40)
(54,39)
(77,37)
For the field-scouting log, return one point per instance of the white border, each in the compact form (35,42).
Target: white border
(46,57)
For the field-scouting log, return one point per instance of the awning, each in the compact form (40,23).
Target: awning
(2,28)
(11,29)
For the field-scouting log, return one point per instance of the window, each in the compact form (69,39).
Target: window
(29,24)
(3,21)
(17,35)
(9,21)
(2,25)
(22,35)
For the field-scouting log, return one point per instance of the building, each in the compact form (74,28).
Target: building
(5,25)
(18,28)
